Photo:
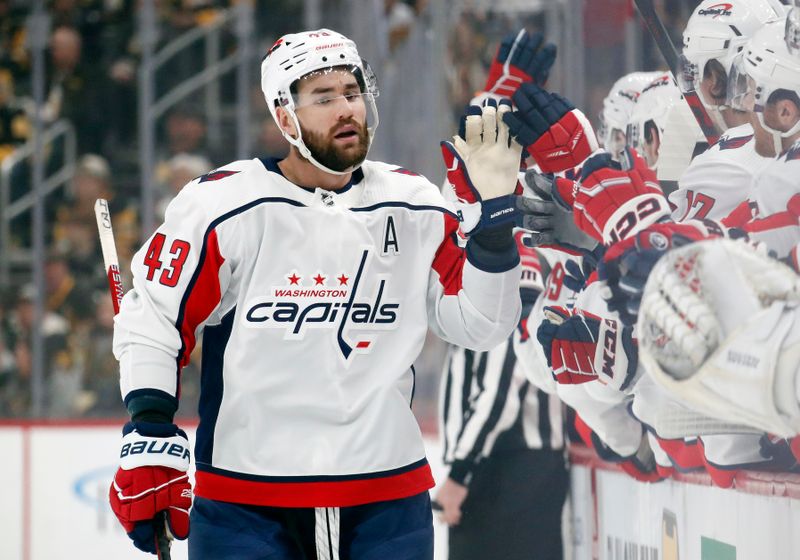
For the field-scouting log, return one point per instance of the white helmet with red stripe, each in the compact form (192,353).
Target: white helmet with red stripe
(650,114)
(296,55)
(767,71)
(718,31)
(618,107)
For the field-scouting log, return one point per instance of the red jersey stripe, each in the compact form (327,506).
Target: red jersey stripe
(449,259)
(340,493)
(203,298)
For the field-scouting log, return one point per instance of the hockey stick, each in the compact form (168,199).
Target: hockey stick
(111,262)
(667,48)
(103,216)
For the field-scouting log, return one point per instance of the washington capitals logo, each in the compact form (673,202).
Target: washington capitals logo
(326,301)
(793,153)
(217,175)
(726,143)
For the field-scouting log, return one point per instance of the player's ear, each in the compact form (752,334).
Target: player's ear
(285,122)
(788,112)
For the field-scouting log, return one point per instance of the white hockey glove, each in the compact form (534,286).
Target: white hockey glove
(482,167)
(718,328)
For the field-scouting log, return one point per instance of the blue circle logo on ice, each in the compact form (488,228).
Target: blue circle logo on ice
(91,487)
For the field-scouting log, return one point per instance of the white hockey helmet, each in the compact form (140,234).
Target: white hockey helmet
(618,106)
(718,31)
(768,67)
(296,55)
(651,112)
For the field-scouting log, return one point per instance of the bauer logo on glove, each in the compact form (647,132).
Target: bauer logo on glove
(152,478)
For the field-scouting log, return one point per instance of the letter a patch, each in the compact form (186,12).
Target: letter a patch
(390,238)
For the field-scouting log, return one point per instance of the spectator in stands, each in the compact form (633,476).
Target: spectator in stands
(466,72)
(92,180)
(74,232)
(65,295)
(100,393)
(74,92)
(182,168)
(185,133)
(87,17)
(13,49)
(62,379)
(400,17)
(15,127)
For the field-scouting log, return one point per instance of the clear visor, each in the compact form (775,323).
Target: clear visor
(689,75)
(793,30)
(741,87)
(602,128)
(634,135)
(327,87)
(614,142)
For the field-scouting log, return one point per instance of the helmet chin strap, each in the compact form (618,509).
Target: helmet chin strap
(777,135)
(306,153)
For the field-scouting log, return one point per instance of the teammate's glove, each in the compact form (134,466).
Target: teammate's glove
(581,347)
(560,229)
(627,264)
(556,134)
(152,478)
(520,58)
(641,465)
(612,202)
(569,339)
(482,167)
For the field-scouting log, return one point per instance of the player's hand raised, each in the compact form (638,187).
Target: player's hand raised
(556,134)
(522,57)
(482,167)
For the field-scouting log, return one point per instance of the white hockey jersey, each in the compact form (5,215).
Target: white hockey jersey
(776,195)
(313,306)
(719,179)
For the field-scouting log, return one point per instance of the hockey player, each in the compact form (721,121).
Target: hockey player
(774,98)
(313,280)
(719,179)
(617,108)
(649,117)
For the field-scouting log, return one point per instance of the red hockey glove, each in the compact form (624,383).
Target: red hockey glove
(151,478)
(627,264)
(611,203)
(520,58)
(554,132)
(582,347)
(569,340)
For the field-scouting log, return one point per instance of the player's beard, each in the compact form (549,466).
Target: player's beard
(326,152)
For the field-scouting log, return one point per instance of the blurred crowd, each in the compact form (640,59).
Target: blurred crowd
(92,56)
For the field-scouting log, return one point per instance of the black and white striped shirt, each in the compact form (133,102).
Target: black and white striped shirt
(487,406)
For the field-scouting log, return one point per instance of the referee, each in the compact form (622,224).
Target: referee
(504,446)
